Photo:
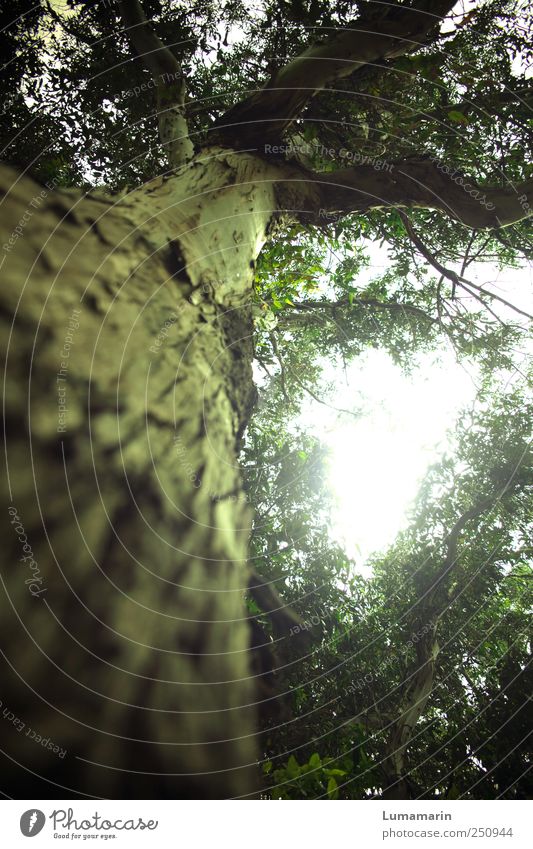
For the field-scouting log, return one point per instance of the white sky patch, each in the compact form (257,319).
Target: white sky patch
(229,38)
(377,462)
(513,284)
(456,15)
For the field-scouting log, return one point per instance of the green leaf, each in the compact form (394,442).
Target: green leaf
(293,768)
(333,791)
(315,761)
(458,117)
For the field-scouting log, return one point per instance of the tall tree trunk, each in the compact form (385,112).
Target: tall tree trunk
(127,333)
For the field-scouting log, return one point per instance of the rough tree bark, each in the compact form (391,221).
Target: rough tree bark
(127,337)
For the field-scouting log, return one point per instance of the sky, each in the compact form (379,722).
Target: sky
(378,461)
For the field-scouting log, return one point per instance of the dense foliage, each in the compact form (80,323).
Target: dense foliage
(453,592)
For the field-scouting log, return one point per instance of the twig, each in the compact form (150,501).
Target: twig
(456,279)
(282,368)
(306,388)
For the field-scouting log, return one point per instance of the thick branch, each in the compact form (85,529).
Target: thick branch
(283,618)
(424,184)
(266,114)
(413,702)
(453,537)
(168,79)
(421,676)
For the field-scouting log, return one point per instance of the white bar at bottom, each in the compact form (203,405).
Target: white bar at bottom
(266,825)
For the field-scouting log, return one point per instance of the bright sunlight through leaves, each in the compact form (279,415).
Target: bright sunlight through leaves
(377,462)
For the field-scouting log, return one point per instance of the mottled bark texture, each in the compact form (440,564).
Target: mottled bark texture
(125,632)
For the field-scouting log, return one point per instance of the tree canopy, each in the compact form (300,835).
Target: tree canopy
(409,124)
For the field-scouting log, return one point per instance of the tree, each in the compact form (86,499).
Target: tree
(135,295)
(414,680)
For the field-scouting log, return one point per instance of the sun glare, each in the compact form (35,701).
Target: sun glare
(378,460)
